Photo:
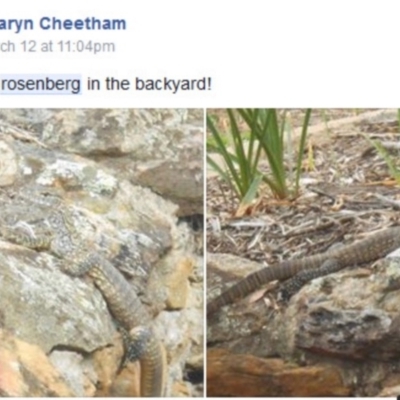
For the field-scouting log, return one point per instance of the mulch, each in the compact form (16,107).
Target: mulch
(346,192)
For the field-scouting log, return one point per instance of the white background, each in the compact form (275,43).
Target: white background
(265,53)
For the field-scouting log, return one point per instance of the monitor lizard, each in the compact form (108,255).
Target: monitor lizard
(304,269)
(60,237)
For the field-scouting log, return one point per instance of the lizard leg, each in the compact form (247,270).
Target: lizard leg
(25,239)
(293,285)
(82,264)
(141,344)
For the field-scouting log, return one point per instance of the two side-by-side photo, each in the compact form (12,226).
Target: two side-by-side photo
(111,220)
(101,261)
(303,277)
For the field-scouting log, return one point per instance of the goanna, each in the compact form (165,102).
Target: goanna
(61,238)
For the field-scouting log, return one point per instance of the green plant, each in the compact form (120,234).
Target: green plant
(265,138)
(398,118)
(385,155)
(240,164)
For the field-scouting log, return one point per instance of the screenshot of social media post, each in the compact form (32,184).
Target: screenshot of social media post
(199,199)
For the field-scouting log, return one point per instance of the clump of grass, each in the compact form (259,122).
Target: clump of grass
(264,134)
(393,170)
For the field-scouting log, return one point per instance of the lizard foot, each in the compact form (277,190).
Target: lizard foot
(141,344)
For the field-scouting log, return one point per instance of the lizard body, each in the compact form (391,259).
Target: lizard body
(128,310)
(61,238)
(367,250)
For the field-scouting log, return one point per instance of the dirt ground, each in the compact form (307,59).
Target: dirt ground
(346,191)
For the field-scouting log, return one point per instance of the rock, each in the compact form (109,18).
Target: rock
(57,310)
(392,391)
(106,364)
(127,383)
(224,269)
(181,390)
(195,372)
(8,165)
(159,149)
(196,362)
(363,324)
(27,372)
(238,326)
(241,375)
(177,283)
(351,334)
(181,338)
(76,373)
(348,321)
(170,282)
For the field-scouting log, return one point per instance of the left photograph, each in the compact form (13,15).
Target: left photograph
(101,260)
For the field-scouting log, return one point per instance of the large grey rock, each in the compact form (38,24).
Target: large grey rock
(349,321)
(43,306)
(157,148)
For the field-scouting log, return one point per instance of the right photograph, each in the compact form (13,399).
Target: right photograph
(303,268)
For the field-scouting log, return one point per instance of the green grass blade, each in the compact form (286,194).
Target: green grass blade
(300,153)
